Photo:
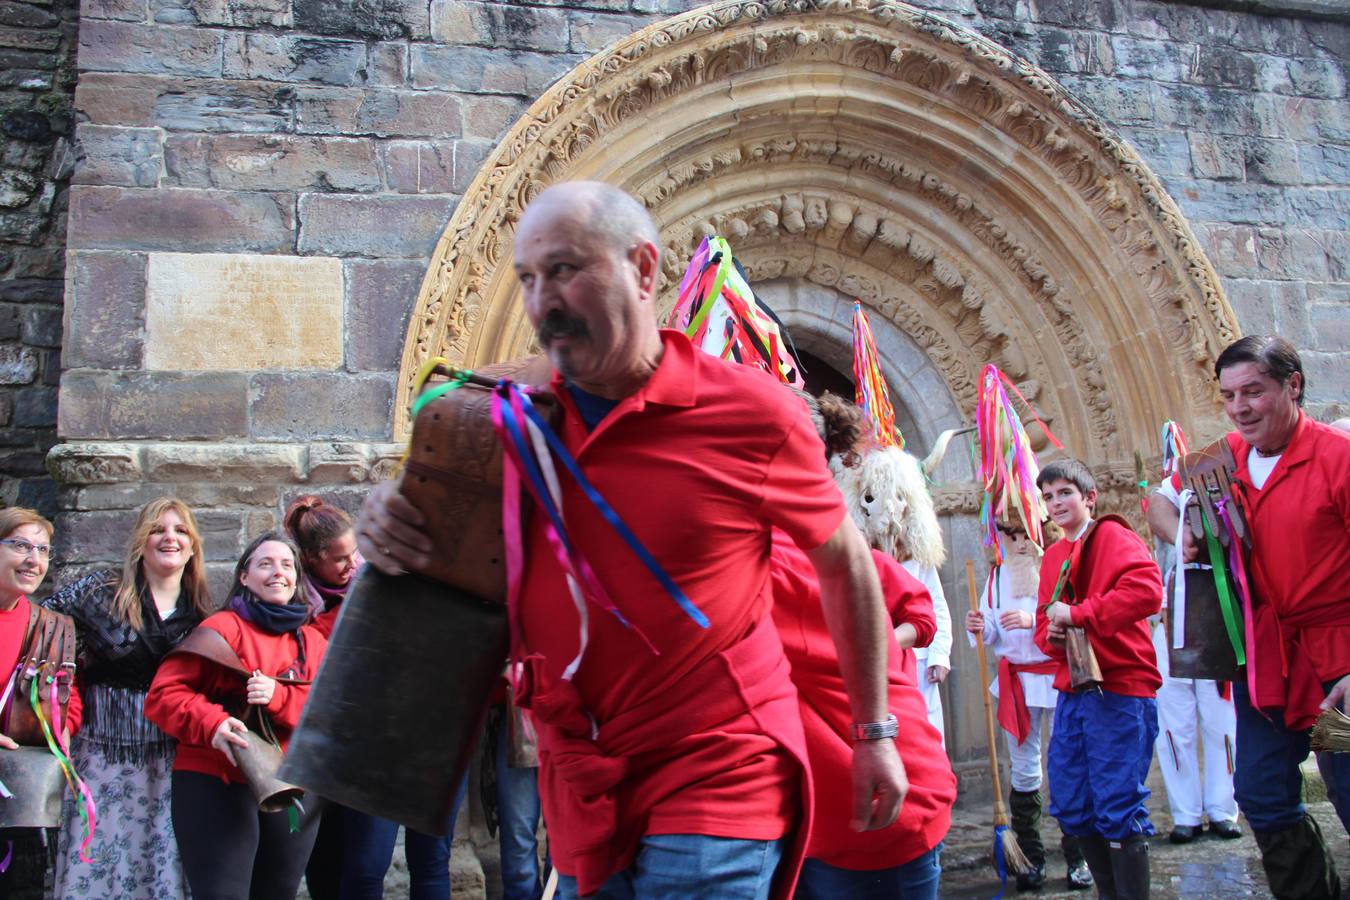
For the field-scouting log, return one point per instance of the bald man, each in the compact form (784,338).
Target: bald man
(671,753)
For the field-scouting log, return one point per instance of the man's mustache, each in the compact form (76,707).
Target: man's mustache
(558,324)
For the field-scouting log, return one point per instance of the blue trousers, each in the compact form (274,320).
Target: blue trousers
(691,865)
(369,845)
(1268,783)
(915,880)
(518,813)
(1100,751)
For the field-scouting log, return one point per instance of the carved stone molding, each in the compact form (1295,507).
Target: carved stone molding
(880,150)
(91,463)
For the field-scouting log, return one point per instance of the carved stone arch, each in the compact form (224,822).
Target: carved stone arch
(884,152)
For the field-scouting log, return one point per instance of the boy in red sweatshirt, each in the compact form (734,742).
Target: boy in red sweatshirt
(1100,578)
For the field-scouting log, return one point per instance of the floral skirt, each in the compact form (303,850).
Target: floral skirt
(133,855)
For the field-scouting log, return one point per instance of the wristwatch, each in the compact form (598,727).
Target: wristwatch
(875,731)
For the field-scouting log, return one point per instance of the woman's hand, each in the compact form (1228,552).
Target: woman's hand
(1340,693)
(975,623)
(1015,619)
(260,688)
(230,733)
(7,742)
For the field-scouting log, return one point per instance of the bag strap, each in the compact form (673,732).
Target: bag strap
(211,644)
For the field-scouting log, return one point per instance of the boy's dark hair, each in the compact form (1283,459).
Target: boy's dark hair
(1272,354)
(1070,470)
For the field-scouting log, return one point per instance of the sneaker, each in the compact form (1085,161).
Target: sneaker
(1031,881)
(1080,877)
(1226,829)
(1182,834)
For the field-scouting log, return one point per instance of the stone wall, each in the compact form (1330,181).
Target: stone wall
(37,84)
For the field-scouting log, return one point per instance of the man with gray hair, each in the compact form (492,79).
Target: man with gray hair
(670,745)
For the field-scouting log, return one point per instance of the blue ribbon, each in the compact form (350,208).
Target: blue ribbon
(1000,862)
(556,444)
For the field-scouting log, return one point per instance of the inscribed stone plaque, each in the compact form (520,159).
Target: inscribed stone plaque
(240,312)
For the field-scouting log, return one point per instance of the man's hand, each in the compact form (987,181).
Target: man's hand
(1190,547)
(1056,632)
(879,784)
(1340,693)
(230,733)
(937,674)
(975,622)
(1015,619)
(7,742)
(390,533)
(1059,614)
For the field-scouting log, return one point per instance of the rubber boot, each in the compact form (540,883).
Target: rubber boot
(1097,852)
(1129,867)
(1298,864)
(1076,872)
(1026,824)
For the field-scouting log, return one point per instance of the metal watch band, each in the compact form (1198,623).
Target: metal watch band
(875,731)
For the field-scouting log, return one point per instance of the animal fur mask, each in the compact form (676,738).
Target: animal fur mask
(888,497)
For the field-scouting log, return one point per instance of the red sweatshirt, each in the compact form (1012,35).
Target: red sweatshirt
(827,718)
(1117,586)
(191,696)
(13,629)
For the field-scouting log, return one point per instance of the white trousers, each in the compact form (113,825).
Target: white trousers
(933,697)
(1024,759)
(1187,706)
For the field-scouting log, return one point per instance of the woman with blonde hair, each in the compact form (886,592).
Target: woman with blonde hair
(126,622)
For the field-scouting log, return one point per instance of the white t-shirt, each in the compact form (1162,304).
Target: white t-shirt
(1260,467)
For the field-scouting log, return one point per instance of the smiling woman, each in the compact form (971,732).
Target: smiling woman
(126,622)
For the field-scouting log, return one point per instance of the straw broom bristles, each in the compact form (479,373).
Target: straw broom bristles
(1332,732)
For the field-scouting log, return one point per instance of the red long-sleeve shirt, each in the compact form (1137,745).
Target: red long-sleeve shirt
(191,696)
(13,629)
(1118,587)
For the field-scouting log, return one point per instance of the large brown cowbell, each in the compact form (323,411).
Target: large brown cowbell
(398,706)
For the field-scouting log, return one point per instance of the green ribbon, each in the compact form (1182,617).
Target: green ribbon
(1059,583)
(1221,582)
(293,813)
(456,381)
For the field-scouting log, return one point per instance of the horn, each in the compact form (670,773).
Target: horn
(33,775)
(259,762)
(934,459)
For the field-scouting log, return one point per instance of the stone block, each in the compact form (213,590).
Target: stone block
(498,25)
(182,406)
(383,226)
(236,13)
(469,159)
(94,463)
(1318,77)
(1272,307)
(1120,102)
(1152,60)
(272,162)
(1215,156)
(323,406)
(30,290)
(115,218)
(1234,202)
(1272,75)
(1223,67)
(104,309)
(1326,376)
(237,463)
(487,116)
(42,326)
(195,494)
(94,536)
(276,57)
(178,104)
(1319,207)
(591,32)
(1271,161)
(338,463)
(126,10)
(1100,15)
(378,19)
(1231,248)
(1285,253)
(10,322)
(671,7)
(18,365)
(130,157)
(420,167)
(29,39)
(1324,163)
(1329,317)
(35,407)
(377,111)
(389,64)
(1167,152)
(487,70)
(1302,118)
(107,46)
(380,299)
(6,408)
(260,312)
(1217,111)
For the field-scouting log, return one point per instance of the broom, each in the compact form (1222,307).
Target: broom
(1331,732)
(1008,856)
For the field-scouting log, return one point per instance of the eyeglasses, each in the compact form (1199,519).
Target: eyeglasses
(24,548)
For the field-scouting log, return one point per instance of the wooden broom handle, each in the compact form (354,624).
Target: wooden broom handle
(984,693)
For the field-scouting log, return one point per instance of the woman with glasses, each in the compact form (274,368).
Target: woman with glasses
(25,552)
(127,621)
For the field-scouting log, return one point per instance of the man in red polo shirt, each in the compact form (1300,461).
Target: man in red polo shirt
(671,755)
(1293,481)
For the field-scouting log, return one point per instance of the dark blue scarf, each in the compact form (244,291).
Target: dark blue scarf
(270,617)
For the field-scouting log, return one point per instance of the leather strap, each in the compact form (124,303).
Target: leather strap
(211,644)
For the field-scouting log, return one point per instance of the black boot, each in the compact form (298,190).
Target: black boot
(1097,852)
(1026,824)
(1298,864)
(1129,867)
(1075,867)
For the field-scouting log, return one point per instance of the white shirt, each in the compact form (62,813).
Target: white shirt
(939,652)
(1017,645)
(1260,467)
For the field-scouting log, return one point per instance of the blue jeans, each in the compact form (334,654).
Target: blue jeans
(914,880)
(691,865)
(1268,784)
(369,845)
(518,813)
(1100,751)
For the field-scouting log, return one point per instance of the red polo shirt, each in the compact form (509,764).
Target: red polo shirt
(1119,586)
(1299,567)
(700,463)
(13,630)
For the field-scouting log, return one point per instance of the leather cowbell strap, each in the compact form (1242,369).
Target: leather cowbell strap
(48,651)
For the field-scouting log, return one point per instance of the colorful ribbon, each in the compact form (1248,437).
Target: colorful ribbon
(88,810)
(1000,859)
(870,391)
(1221,582)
